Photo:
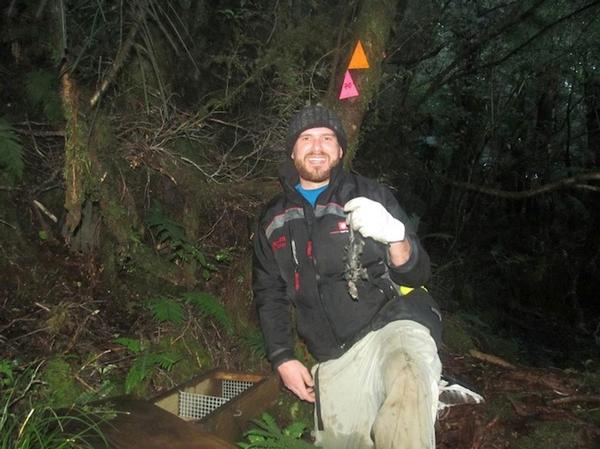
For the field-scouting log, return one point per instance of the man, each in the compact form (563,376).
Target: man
(376,382)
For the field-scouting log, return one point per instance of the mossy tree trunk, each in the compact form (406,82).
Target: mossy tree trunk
(76,158)
(373,27)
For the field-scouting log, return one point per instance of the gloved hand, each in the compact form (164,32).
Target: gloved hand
(371,219)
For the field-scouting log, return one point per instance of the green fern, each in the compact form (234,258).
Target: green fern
(145,363)
(171,235)
(11,153)
(211,307)
(139,371)
(41,87)
(267,434)
(255,341)
(165,309)
(133,345)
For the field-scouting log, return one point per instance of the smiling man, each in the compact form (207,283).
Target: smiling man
(378,371)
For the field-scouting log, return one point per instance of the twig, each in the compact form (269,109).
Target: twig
(121,57)
(25,390)
(42,306)
(8,224)
(574,398)
(573,181)
(43,208)
(33,133)
(494,360)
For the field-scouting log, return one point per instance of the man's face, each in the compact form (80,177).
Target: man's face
(315,153)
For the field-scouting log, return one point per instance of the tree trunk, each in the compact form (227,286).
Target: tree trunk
(375,20)
(77,161)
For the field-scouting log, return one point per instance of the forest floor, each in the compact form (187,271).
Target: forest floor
(57,305)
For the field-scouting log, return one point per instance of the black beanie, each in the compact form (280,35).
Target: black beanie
(315,117)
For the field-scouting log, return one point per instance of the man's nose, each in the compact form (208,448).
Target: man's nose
(317,144)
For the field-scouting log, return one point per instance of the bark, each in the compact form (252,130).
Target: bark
(76,157)
(375,20)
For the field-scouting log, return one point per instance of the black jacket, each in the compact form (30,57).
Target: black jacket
(299,260)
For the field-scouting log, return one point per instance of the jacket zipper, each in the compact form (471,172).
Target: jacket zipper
(309,223)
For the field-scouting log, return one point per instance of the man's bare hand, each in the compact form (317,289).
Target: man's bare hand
(297,379)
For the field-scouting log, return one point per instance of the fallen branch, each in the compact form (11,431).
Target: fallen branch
(574,398)
(494,360)
(573,181)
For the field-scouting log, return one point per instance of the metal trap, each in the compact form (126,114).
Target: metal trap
(221,402)
(197,406)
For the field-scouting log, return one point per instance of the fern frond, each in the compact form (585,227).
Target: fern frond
(133,345)
(165,309)
(165,360)
(163,227)
(138,372)
(254,339)
(11,153)
(211,307)
(267,434)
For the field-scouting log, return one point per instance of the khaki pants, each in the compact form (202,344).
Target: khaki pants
(381,393)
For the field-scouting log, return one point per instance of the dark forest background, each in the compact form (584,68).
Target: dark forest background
(140,139)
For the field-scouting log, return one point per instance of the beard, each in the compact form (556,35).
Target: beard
(318,174)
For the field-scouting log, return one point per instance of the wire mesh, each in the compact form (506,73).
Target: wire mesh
(231,388)
(197,406)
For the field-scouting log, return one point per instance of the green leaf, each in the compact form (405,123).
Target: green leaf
(165,309)
(133,345)
(166,360)
(210,306)
(6,373)
(295,429)
(138,372)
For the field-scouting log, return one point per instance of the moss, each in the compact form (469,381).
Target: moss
(289,409)
(456,337)
(61,388)
(193,358)
(556,435)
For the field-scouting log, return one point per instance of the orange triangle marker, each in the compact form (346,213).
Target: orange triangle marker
(349,89)
(359,58)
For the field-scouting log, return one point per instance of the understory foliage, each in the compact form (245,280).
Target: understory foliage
(11,154)
(28,421)
(266,433)
(172,240)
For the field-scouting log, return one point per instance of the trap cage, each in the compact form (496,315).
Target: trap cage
(221,402)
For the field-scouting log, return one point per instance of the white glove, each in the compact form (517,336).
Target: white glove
(371,219)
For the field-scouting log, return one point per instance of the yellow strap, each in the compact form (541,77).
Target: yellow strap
(405,290)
